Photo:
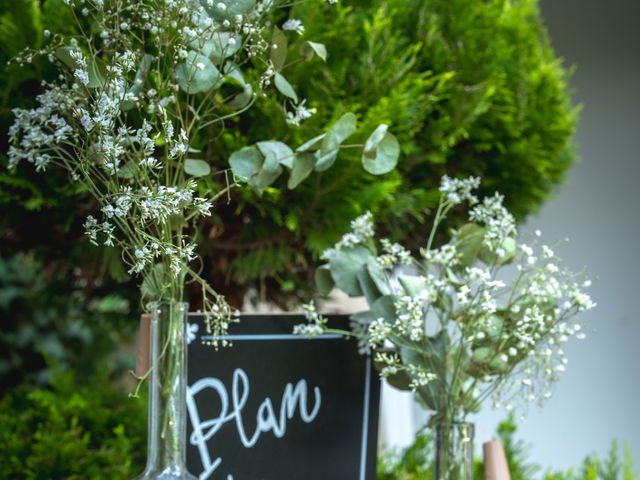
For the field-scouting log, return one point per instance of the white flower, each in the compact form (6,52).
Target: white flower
(293,24)
(459,190)
(300,113)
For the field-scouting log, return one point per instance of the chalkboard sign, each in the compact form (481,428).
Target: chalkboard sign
(278,406)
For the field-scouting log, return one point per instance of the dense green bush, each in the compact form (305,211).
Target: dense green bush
(72,432)
(468,87)
(53,316)
(415,462)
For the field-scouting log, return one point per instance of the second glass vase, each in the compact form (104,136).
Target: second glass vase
(454,451)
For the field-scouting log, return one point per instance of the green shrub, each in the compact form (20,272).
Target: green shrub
(54,316)
(468,87)
(416,462)
(72,432)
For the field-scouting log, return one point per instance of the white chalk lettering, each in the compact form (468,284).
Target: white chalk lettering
(294,399)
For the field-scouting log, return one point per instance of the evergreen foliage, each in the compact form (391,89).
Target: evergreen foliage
(469,88)
(71,431)
(54,317)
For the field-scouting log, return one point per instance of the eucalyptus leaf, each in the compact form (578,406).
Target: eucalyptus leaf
(281,152)
(196,168)
(380,278)
(231,9)
(197,74)
(413,285)
(345,265)
(246,163)
(491,257)
(324,281)
(368,286)
(302,167)
(471,236)
(220,46)
(381,152)
(279,47)
(311,145)
(243,99)
(285,88)
(309,49)
(325,159)
(344,127)
(384,307)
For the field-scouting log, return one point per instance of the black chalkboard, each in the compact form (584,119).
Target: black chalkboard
(276,406)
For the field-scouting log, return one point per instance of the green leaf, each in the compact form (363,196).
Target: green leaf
(471,236)
(196,168)
(197,74)
(221,45)
(279,47)
(309,49)
(233,8)
(312,145)
(344,127)
(381,152)
(345,265)
(324,281)
(301,168)
(412,285)
(243,99)
(258,171)
(285,88)
(337,133)
(246,163)
(281,152)
(325,160)
(384,307)
(491,257)
(368,286)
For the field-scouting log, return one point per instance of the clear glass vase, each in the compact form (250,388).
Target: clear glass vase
(166,447)
(454,451)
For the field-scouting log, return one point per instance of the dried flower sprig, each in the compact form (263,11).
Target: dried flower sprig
(448,324)
(138,91)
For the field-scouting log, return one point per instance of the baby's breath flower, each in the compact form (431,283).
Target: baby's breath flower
(295,25)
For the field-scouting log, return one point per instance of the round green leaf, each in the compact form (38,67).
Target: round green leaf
(381,152)
(230,10)
(196,168)
(279,46)
(285,88)
(197,74)
(309,49)
(281,152)
(221,45)
(246,163)
(324,282)
(301,168)
(312,145)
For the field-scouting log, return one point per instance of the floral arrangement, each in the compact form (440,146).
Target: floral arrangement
(139,93)
(451,324)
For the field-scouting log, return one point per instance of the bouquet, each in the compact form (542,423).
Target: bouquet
(485,314)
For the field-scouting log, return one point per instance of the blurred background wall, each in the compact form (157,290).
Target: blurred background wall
(599,210)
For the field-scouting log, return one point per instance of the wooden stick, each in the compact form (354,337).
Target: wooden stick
(495,461)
